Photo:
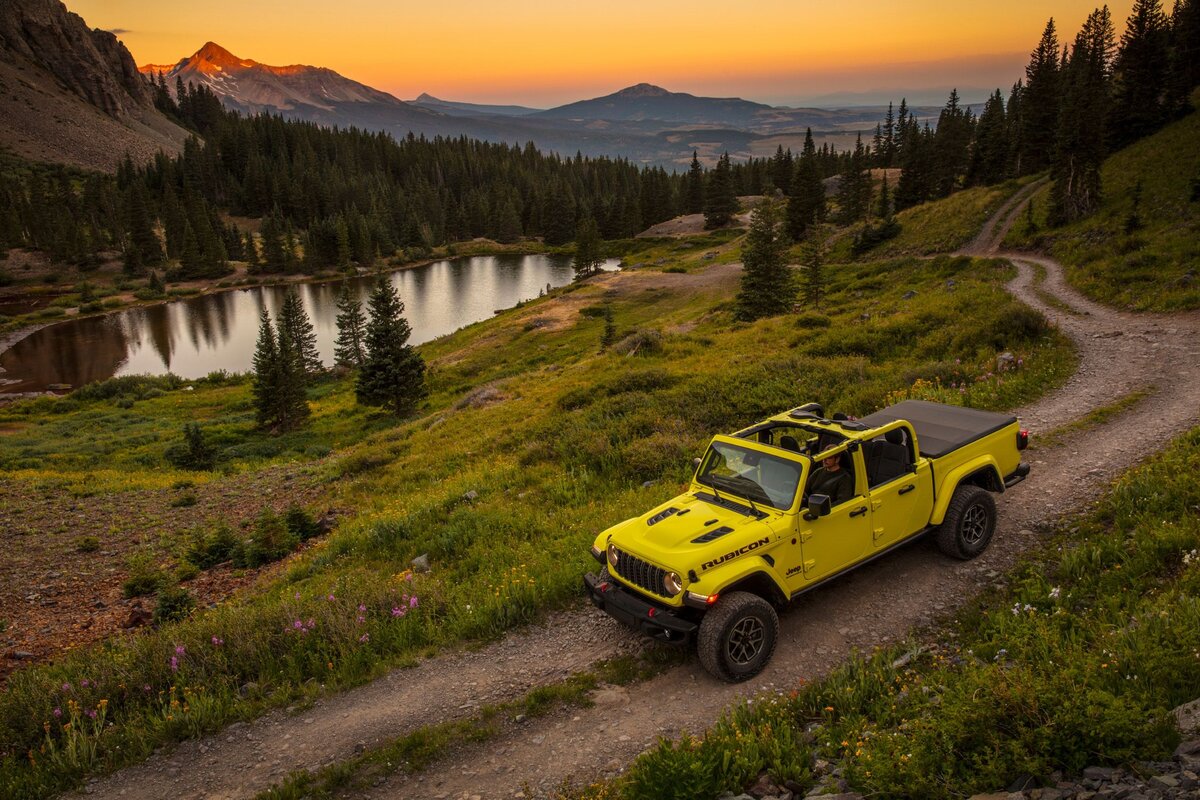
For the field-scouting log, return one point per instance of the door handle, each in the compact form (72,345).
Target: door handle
(907,489)
(858,512)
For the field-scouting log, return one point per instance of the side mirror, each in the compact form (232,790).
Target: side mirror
(696,461)
(819,505)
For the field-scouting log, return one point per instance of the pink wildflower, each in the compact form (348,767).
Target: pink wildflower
(91,712)
(312,623)
(57,713)
(361,607)
(361,619)
(174,664)
(180,649)
(217,641)
(398,612)
(66,687)
(298,625)
(366,637)
(331,598)
(84,683)
(412,603)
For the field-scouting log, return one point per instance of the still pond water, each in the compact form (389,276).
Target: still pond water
(194,337)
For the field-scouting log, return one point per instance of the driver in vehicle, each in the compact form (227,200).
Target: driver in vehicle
(832,480)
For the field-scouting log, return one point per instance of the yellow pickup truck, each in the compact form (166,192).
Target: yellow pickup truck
(778,508)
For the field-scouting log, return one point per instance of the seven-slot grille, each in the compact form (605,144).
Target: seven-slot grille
(641,573)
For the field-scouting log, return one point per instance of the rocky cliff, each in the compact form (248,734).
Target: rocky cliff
(72,94)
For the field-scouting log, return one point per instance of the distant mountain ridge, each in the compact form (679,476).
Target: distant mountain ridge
(427,100)
(71,94)
(645,101)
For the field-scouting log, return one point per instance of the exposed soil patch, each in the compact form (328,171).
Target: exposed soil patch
(58,593)
(877,604)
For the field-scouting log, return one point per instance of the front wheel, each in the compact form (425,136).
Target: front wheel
(969,524)
(737,637)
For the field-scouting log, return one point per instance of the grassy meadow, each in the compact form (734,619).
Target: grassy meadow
(1076,663)
(533,439)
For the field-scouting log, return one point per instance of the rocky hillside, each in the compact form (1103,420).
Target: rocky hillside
(72,94)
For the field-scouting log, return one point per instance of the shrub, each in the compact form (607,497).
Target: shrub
(184,500)
(144,578)
(193,452)
(644,341)
(174,604)
(87,544)
(270,541)
(216,545)
(300,523)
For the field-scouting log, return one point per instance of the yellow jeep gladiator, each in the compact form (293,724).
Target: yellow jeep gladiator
(780,507)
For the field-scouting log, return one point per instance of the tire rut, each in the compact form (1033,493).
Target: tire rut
(872,606)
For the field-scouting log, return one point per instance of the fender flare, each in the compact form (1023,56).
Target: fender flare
(741,571)
(964,473)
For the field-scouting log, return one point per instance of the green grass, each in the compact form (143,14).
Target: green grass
(1078,663)
(1153,268)
(556,451)
(939,227)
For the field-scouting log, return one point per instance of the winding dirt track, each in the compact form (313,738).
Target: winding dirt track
(879,603)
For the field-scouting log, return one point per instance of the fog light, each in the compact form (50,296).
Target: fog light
(612,555)
(672,584)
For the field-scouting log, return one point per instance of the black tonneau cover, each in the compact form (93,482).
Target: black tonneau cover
(941,428)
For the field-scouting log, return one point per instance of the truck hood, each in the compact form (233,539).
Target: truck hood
(666,534)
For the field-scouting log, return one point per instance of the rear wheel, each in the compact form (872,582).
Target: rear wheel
(969,524)
(737,636)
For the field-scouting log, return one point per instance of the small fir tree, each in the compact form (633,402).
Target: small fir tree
(393,373)
(610,329)
(720,200)
(587,250)
(348,350)
(768,286)
(278,385)
(295,326)
(814,273)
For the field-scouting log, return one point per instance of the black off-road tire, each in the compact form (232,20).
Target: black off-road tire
(969,524)
(737,636)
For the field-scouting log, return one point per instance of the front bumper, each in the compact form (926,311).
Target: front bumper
(623,605)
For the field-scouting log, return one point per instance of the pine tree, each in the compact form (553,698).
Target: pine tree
(191,264)
(393,374)
(587,250)
(1140,87)
(277,387)
(348,350)
(694,187)
(297,330)
(609,336)
(989,156)
(156,285)
(1185,53)
(1082,133)
(720,200)
(1040,103)
(806,204)
(885,208)
(854,192)
(140,227)
(768,286)
(812,269)
(952,143)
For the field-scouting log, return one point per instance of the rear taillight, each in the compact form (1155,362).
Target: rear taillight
(1022,439)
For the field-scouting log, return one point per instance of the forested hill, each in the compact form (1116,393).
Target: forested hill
(329,197)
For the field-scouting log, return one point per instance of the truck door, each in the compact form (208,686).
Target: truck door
(834,542)
(900,487)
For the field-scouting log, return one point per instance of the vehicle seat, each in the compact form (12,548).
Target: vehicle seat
(890,458)
(789,443)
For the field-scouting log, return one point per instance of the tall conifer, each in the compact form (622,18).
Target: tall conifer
(768,286)
(393,374)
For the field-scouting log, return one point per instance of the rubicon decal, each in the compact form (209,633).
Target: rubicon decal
(741,551)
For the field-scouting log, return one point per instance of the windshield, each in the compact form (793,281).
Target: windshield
(750,474)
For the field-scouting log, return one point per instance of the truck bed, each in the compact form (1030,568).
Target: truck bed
(941,429)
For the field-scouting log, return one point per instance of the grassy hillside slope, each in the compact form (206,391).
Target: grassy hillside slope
(532,440)
(1152,266)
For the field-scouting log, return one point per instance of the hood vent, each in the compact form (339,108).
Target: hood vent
(713,535)
(660,516)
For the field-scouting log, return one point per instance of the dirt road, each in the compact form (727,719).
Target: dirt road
(879,603)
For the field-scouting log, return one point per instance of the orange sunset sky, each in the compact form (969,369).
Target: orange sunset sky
(540,53)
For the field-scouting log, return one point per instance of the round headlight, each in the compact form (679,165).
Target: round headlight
(612,554)
(672,583)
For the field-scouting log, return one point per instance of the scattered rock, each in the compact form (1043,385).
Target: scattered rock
(471,496)
(420,563)
(1187,717)
(247,689)
(58,387)
(138,616)
(648,484)
(20,655)
(909,295)
(1005,362)
(950,284)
